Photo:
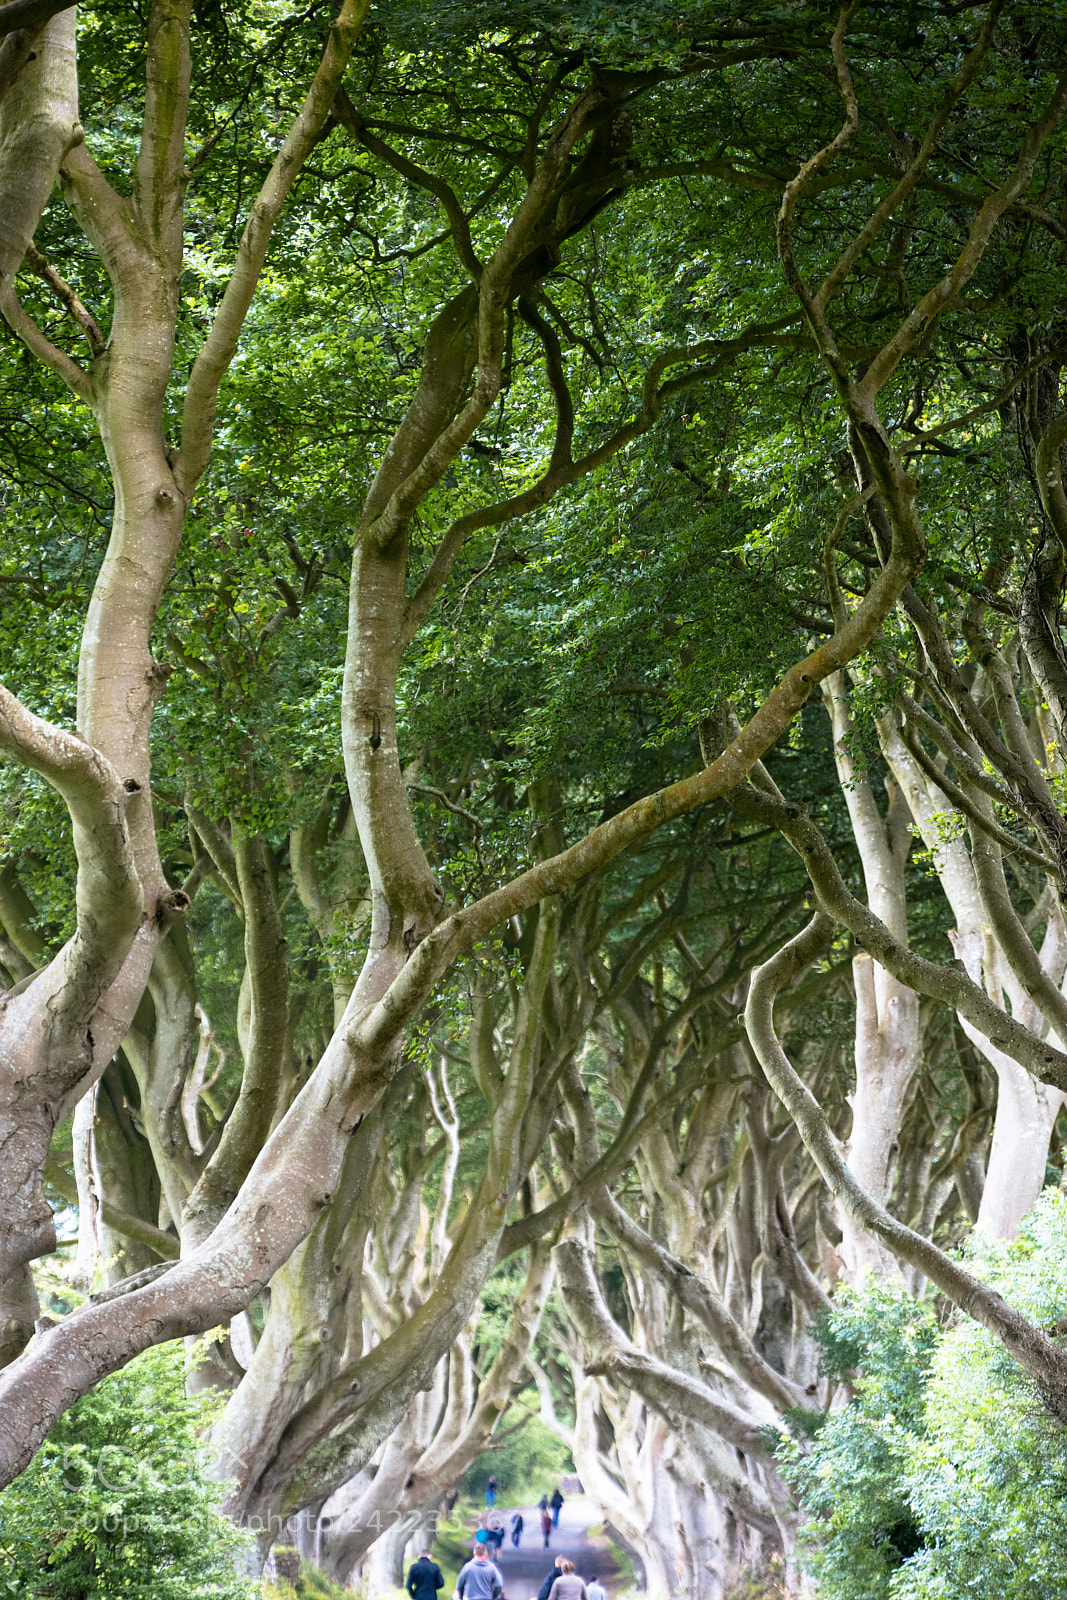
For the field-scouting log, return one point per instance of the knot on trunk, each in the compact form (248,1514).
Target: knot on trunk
(156,678)
(171,907)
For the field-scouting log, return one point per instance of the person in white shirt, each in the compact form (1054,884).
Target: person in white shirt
(595,1590)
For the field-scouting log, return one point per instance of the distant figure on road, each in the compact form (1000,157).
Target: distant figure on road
(425,1578)
(546,1526)
(568,1586)
(480,1579)
(490,1492)
(542,1504)
(494,1536)
(557,1507)
(517,1526)
(596,1589)
(549,1579)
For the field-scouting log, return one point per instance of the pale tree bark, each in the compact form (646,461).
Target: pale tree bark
(709,1535)
(336,905)
(1034,1350)
(1026,1108)
(887,1039)
(38,124)
(716,1444)
(160,1053)
(431,1452)
(371,1389)
(66,1026)
(56,1030)
(87,1175)
(265,1051)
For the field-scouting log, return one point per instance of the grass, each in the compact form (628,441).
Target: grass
(625,1580)
(451,1548)
(311,1585)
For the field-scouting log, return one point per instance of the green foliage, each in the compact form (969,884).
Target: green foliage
(530,1463)
(116,1503)
(946,1475)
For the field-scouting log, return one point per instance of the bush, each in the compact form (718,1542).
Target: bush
(116,1502)
(947,1476)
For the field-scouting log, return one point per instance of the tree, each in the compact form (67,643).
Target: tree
(608,376)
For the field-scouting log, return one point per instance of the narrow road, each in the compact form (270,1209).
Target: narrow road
(524,1568)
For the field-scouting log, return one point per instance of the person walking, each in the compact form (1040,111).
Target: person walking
(425,1578)
(549,1579)
(480,1578)
(546,1525)
(517,1525)
(490,1491)
(568,1586)
(557,1507)
(542,1504)
(494,1536)
(596,1589)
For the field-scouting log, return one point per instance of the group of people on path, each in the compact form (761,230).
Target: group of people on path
(494,1533)
(481,1579)
(550,1510)
(562,1582)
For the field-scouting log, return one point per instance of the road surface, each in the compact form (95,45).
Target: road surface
(524,1568)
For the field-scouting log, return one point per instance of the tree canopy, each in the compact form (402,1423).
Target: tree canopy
(533,835)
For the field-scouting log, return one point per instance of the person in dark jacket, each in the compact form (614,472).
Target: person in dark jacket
(516,1529)
(494,1537)
(490,1491)
(557,1507)
(425,1578)
(546,1526)
(549,1579)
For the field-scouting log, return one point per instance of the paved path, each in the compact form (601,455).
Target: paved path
(524,1568)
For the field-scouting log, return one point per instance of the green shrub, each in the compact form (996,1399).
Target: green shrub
(946,1477)
(116,1503)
